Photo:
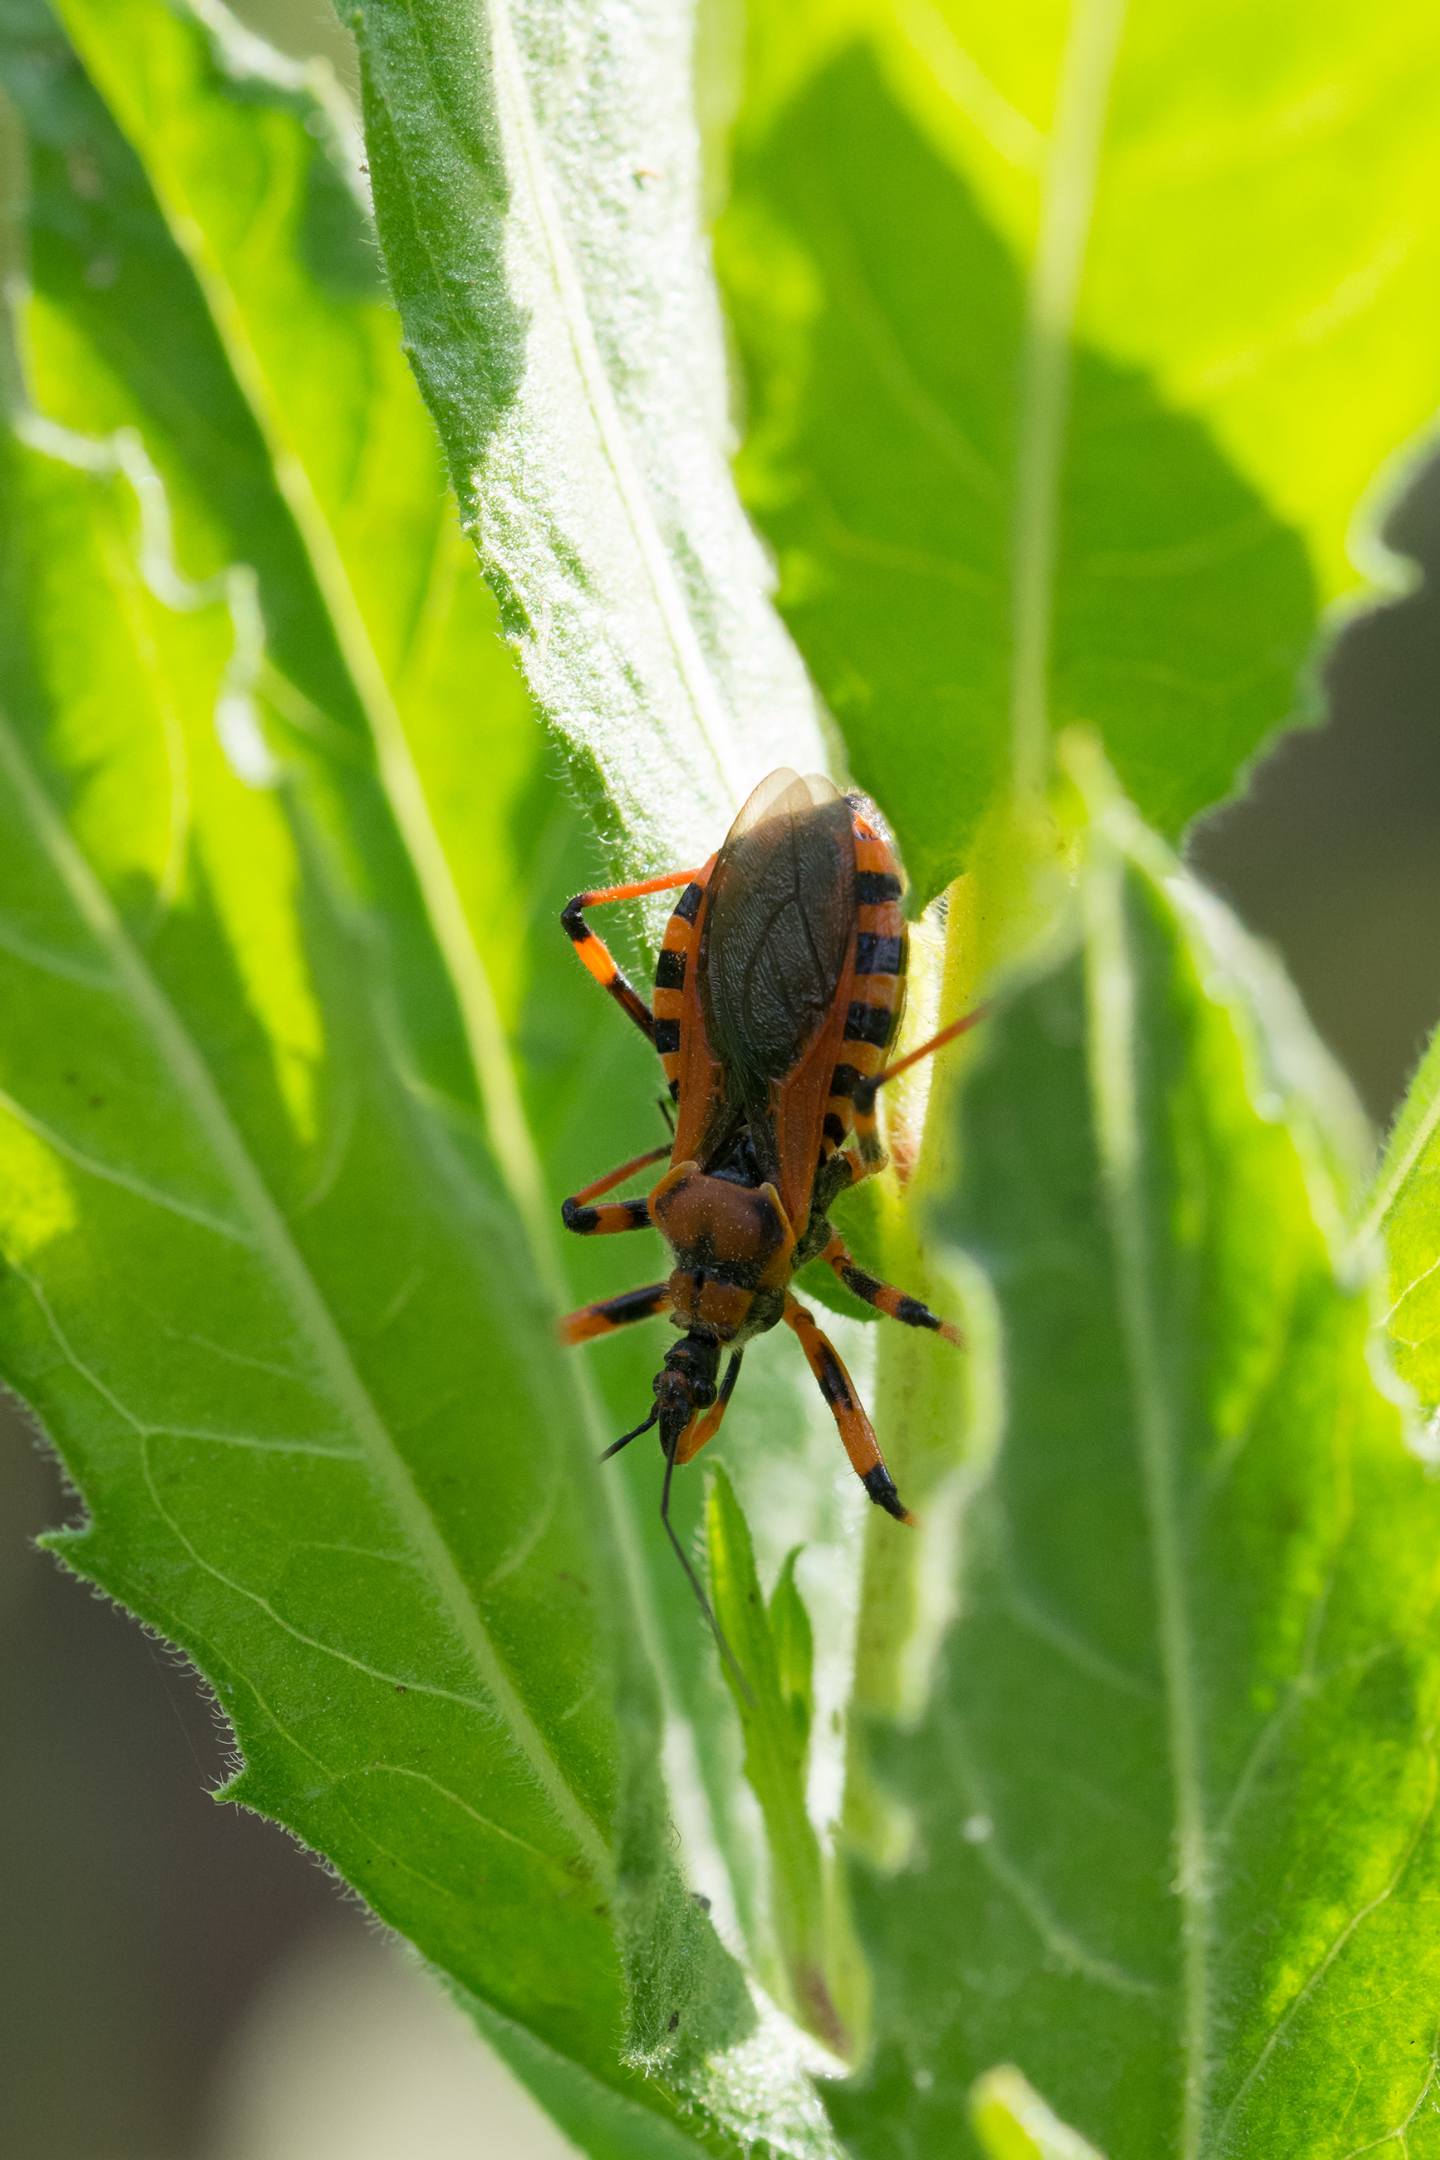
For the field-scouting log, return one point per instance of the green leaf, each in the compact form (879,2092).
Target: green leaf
(1172,1797)
(537,193)
(1404,1208)
(772,1690)
(794,1642)
(219,1207)
(1012,2122)
(243,1263)
(1073,336)
(364,697)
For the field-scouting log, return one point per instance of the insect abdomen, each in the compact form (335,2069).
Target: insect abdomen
(877,990)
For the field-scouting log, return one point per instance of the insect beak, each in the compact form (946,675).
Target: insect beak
(675,1405)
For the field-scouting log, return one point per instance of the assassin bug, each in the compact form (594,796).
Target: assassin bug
(778,992)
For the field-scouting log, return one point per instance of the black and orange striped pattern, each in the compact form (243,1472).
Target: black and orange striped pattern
(595,955)
(607,1314)
(857,1434)
(674,975)
(877,995)
(739,1204)
(896,1304)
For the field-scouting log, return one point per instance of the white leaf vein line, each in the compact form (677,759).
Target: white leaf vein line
(959,76)
(711,719)
(1409,1290)
(1398,2134)
(1112,1022)
(476,1703)
(422,1777)
(380,1554)
(893,361)
(331,1790)
(540,1518)
(127,1180)
(400,779)
(246,1359)
(1346,1934)
(273,1241)
(1051,299)
(1036,1620)
(333,1778)
(253,1443)
(1063,1943)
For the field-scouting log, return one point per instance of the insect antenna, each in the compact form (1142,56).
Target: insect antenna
(626,1437)
(697,1586)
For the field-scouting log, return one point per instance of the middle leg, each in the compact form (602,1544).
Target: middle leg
(577,1214)
(610,1313)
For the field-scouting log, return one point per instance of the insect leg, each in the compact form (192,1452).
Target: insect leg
(857,1167)
(614,1312)
(884,1296)
(611,1179)
(867,1130)
(705,1428)
(614,1216)
(866,1091)
(595,955)
(856,1431)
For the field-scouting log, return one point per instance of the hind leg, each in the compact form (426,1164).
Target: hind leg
(857,1434)
(884,1296)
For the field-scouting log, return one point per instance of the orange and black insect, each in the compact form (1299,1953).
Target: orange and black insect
(778,993)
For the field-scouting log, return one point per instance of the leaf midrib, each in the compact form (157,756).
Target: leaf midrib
(493,1075)
(192,1076)
(515,1157)
(706,705)
(1047,344)
(1112,1000)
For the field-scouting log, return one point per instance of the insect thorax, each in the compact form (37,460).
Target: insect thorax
(732,1248)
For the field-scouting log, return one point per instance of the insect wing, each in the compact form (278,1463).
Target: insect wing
(778,931)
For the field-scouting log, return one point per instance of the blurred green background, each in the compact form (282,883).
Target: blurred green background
(180,1982)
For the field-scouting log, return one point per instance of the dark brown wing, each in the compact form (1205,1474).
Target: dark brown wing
(778,929)
(776,943)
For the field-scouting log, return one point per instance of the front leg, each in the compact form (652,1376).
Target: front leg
(595,956)
(578,1215)
(607,1314)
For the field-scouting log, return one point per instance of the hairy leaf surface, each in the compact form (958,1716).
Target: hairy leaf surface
(1404,1210)
(537,189)
(423,810)
(1173,1796)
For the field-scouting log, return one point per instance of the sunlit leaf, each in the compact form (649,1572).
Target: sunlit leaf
(770,1681)
(1074,336)
(537,189)
(1172,1799)
(1404,1209)
(371,703)
(1013,2123)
